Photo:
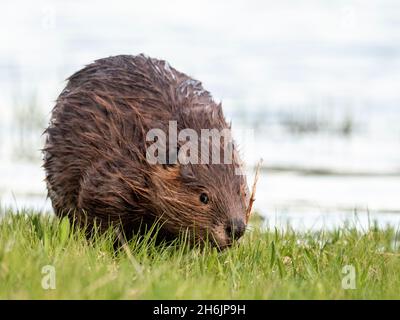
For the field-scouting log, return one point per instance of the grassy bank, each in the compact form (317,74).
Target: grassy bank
(266,265)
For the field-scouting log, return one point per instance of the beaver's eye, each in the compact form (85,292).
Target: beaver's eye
(204,198)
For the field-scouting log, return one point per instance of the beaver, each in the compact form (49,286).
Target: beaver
(95,160)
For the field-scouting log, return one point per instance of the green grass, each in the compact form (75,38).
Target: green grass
(265,265)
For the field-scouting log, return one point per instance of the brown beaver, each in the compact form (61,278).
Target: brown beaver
(95,153)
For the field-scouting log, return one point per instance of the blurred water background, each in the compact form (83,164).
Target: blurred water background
(318,82)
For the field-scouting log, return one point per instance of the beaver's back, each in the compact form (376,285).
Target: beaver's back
(105,112)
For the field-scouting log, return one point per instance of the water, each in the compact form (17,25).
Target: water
(317,81)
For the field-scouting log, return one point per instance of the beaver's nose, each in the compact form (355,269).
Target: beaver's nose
(235,229)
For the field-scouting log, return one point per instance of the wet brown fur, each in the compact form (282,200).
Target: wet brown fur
(94,156)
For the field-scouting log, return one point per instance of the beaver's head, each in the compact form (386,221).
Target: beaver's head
(207,200)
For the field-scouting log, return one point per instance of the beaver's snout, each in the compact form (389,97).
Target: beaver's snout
(235,229)
(224,235)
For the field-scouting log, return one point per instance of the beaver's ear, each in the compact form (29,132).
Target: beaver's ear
(186,171)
